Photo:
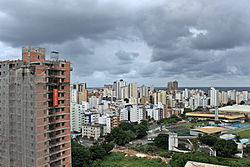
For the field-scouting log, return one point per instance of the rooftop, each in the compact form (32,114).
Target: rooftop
(212,115)
(209,129)
(195,164)
(236,108)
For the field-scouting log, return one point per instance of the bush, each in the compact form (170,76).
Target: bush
(166,154)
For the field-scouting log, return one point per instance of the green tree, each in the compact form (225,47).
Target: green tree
(81,156)
(140,130)
(119,136)
(97,151)
(225,148)
(208,139)
(126,126)
(161,141)
(107,147)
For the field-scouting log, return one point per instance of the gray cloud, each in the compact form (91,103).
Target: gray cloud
(150,41)
(126,57)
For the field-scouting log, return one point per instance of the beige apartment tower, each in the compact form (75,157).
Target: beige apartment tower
(35,111)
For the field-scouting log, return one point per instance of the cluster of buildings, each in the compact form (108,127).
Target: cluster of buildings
(94,112)
(104,109)
(197,98)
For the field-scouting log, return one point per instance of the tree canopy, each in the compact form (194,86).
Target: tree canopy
(209,140)
(127,132)
(161,141)
(84,157)
(225,148)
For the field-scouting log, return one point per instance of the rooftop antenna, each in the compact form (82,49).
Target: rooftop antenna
(54,55)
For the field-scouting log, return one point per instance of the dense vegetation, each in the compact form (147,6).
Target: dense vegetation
(224,148)
(120,160)
(161,141)
(127,132)
(170,120)
(180,159)
(209,140)
(85,157)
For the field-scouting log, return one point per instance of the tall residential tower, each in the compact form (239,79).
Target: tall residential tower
(35,111)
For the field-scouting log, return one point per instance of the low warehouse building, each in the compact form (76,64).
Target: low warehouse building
(207,130)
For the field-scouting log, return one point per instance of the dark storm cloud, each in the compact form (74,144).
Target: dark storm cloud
(226,23)
(126,57)
(103,38)
(58,21)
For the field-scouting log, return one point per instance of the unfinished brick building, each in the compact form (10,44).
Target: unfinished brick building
(35,111)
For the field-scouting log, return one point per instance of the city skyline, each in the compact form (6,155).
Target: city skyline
(198,43)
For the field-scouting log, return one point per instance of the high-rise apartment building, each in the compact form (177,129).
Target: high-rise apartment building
(173,85)
(133,90)
(79,93)
(214,100)
(117,85)
(35,111)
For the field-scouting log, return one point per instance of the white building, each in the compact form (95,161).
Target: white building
(213,97)
(76,117)
(93,131)
(94,101)
(74,95)
(155,113)
(90,117)
(124,114)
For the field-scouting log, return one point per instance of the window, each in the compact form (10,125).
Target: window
(62,65)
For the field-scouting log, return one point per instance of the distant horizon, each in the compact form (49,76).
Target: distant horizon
(201,88)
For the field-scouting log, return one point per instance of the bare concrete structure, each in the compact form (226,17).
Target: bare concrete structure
(34,111)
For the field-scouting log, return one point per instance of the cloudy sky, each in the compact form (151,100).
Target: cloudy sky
(197,42)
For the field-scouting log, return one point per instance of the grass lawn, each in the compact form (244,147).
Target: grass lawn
(184,129)
(244,133)
(238,162)
(119,160)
